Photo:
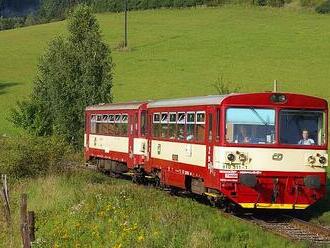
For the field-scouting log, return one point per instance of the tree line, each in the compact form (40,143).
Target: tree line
(17,13)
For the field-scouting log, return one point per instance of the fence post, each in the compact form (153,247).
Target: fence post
(24,222)
(5,196)
(31,222)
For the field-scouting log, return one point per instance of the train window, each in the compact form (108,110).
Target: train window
(172,126)
(190,126)
(123,126)
(164,125)
(135,124)
(218,126)
(200,126)
(116,130)
(117,118)
(111,118)
(181,125)
(98,124)
(111,126)
(302,127)
(124,118)
(143,122)
(156,125)
(210,127)
(93,124)
(200,118)
(250,125)
(156,117)
(99,118)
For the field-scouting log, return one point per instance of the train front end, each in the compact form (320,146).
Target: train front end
(274,155)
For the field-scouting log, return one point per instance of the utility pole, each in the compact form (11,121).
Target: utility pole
(275,86)
(126,9)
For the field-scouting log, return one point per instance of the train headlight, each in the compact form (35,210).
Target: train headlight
(323,160)
(311,159)
(242,157)
(278,98)
(231,157)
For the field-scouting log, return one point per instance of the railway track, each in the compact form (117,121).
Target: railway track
(289,227)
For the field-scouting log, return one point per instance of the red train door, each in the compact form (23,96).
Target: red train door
(210,136)
(131,132)
(149,139)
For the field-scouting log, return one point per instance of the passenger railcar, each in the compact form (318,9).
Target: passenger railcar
(115,136)
(258,150)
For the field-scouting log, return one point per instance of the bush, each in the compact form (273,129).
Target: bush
(275,3)
(310,3)
(31,20)
(324,8)
(29,156)
(214,3)
(11,22)
(272,3)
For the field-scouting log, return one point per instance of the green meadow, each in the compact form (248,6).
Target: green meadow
(182,52)
(87,209)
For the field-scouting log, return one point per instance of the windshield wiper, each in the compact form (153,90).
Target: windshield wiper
(259,117)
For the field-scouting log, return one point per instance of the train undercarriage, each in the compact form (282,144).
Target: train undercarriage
(194,186)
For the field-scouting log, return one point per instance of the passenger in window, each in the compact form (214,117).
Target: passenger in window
(306,140)
(246,139)
(190,137)
(181,133)
(243,137)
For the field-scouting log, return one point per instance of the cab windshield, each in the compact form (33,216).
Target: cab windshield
(302,127)
(250,125)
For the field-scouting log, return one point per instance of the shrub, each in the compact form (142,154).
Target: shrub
(323,8)
(29,156)
(275,3)
(11,22)
(310,3)
(272,3)
(214,3)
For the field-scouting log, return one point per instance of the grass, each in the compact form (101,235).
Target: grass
(175,53)
(87,209)
(320,212)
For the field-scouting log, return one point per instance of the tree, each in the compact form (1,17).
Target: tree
(74,72)
(223,88)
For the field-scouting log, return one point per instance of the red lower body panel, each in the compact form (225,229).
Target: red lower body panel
(259,189)
(131,161)
(269,189)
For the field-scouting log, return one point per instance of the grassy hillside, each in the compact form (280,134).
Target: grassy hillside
(87,209)
(182,52)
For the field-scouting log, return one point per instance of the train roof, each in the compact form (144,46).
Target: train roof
(116,106)
(262,98)
(189,101)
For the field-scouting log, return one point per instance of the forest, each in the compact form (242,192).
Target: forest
(16,13)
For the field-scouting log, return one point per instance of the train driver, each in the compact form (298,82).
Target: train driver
(305,139)
(244,137)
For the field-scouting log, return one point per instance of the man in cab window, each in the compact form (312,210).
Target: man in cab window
(305,139)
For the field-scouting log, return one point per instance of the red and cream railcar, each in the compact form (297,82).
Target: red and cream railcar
(115,135)
(261,150)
